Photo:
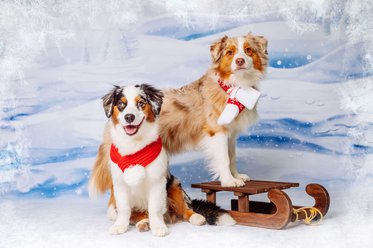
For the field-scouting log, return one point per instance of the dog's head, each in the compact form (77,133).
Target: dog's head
(240,56)
(131,106)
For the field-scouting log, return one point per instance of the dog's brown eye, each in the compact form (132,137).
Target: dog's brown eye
(121,106)
(230,52)
(249,51)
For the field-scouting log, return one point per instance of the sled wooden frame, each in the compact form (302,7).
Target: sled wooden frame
(275,214)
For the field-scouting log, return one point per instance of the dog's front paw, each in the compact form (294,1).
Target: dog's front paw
(197,219)
(243,177)
(159,231)
(118,229)
(234,182)
(143,225)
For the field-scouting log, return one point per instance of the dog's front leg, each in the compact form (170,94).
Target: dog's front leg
(121,193)
(232,160)
(216,149)
(157,196)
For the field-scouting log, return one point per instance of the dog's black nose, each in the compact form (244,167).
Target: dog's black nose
(129,118)
(240,61)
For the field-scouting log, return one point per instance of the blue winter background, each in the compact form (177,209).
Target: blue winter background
(57,59)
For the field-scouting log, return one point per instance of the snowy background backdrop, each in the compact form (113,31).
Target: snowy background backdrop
(58,58)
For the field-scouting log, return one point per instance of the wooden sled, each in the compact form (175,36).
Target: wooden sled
(275,214)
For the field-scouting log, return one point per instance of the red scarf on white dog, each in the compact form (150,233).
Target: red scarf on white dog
(230,100)
(142,157)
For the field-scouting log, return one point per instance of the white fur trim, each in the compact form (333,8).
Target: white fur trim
(229,113)
(233,92)
(134,175)
(248,97)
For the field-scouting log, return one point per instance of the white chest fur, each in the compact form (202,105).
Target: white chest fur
(137,187)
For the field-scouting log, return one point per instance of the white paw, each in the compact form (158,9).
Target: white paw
(225,220)
(233,182)
(243,177)
(197,219)
(112,213)
(159,231)
(118,229)
(143,225)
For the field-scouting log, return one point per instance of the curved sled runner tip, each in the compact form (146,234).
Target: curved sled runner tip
(278,219)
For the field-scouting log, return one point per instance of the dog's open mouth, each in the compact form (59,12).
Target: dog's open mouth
(132,129)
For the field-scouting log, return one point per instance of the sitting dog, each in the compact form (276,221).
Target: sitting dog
(188,119)
(144,190)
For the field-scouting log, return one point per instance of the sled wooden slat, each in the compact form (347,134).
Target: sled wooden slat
(250,188)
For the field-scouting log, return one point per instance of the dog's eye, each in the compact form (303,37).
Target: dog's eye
(121,106)
(229,52)
(141,104)
(249,51)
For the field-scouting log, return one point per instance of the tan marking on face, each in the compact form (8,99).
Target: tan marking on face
(258,44)
(114,116)
(226,60)
(147,109)
(257,63)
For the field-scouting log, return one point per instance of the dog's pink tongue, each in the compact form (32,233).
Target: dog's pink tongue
(130,129)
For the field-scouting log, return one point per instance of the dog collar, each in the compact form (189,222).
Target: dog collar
(231,92)
(142,157)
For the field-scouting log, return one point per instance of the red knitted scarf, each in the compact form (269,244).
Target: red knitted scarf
(142,157)
(228,89)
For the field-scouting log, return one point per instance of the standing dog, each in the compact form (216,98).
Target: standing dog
(145,192)
(189,115)
(188,120)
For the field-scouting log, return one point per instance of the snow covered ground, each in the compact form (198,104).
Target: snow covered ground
(303,134)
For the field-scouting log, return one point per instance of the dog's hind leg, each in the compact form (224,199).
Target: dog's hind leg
(178,205)
(143,225)
(141,220)
(232,160)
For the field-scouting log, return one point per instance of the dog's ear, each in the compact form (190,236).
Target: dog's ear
(108,100)
(216,49)
(153,96)
(263,43)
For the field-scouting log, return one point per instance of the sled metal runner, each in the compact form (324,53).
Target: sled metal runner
(277,213)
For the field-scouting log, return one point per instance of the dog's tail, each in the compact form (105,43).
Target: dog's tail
(213,214)
(100,179)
